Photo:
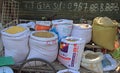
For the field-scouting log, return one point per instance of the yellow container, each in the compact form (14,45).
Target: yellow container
(104,32)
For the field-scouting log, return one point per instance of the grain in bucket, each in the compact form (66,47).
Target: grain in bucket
(44,45)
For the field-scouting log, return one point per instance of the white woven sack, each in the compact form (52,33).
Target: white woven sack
(44,48)
(63,27)
(70,53)
(16,45)
(81,32)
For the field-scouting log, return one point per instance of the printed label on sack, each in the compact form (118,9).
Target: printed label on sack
(74,55)
(63,54)
(51,42)
(64,47)
(65,58)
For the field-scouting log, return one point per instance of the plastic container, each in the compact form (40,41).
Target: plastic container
(104,32)
(70,52)
(82,31)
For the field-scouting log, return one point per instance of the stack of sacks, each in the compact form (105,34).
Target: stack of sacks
(15,41)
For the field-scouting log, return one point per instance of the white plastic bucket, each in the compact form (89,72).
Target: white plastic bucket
(82,31)
(70,52)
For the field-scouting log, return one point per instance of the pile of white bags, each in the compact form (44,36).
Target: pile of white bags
(16,45)
(82,31)
(42,47)
(70,52)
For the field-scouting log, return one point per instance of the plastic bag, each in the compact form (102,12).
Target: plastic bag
(108,63)
(92,61)
(104,32)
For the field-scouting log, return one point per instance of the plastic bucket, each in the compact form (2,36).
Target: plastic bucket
(82,31)
(70,52)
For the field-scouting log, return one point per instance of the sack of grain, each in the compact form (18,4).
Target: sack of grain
(15,41)
(92,61)
(104,32)
(63,27)
(44,45)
